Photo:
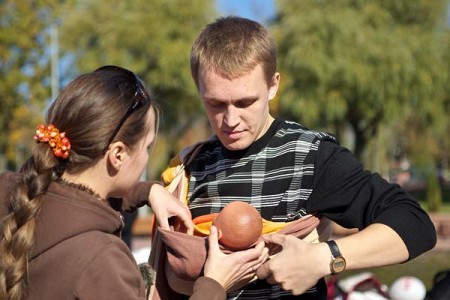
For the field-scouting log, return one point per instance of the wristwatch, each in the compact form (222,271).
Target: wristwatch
(337,264)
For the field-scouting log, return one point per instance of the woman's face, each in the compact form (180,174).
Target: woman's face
(138,159)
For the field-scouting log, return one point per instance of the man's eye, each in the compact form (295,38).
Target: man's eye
(214,103)
(244,104)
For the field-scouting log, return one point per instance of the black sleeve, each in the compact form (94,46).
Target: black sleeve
(353,197)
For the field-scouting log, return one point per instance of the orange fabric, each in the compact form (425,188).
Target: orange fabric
(202,225)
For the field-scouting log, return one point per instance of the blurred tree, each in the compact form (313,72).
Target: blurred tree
(426,124)
(24,73)
(434,192)
(152,38)
(361,64)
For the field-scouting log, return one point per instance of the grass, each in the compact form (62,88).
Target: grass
(421,195)
(445,207)
(423,267)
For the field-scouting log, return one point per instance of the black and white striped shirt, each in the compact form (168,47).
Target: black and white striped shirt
(292,171)
(275,175)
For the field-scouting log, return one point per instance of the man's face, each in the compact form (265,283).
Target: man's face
(237,109)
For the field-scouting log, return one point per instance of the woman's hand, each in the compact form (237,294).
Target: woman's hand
(235,269)
(164,205)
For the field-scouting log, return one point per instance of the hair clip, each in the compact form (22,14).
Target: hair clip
(58,141)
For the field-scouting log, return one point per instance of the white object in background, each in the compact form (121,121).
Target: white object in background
(141,255)
(407,288)
(368,295)
(351,284)
(348,284)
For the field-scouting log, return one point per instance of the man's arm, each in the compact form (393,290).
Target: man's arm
(393,226)
(355,198)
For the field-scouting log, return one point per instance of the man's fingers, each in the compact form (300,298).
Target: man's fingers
(263,272)
(271,280)
(275,238)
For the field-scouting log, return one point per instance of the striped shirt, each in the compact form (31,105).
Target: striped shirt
(292,171)
(275,175)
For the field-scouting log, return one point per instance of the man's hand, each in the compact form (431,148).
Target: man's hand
(164,205)
(298,266)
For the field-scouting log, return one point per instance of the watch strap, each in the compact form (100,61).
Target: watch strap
(338,263)
(334,248)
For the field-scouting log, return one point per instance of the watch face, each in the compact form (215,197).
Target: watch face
(338,265)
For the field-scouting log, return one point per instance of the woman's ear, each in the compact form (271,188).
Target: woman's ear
(117,155)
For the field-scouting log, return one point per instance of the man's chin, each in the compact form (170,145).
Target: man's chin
(235,145)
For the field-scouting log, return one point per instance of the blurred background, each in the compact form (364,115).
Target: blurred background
(375,73)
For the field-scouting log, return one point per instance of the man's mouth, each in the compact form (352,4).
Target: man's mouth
(233,134)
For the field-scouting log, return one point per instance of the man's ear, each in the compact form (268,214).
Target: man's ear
(273,88)
(117,155)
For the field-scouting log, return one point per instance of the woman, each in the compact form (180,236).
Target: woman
(60,223)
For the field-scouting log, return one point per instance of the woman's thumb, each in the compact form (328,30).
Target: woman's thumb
(213,238)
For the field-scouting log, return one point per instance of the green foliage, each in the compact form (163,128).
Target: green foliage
(416,13)
(24,70)
(152,38)
(434,194)
(362,64)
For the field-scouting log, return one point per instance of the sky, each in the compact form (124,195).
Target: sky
(258,10)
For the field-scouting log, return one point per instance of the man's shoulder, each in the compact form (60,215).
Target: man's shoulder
(191,151)
(298,131)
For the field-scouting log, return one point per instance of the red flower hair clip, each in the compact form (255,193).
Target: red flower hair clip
(56,140)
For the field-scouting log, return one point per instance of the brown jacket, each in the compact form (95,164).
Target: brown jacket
(78,253)
(207,289)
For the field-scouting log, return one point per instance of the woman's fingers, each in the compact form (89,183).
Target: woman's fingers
(186,218)
(213,239)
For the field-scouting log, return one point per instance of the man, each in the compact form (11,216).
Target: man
(287,172)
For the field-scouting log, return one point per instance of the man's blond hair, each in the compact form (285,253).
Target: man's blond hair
(234,46)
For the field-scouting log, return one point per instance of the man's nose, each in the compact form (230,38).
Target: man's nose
(232,117)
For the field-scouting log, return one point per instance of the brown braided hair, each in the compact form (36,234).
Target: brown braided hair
(80,111)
